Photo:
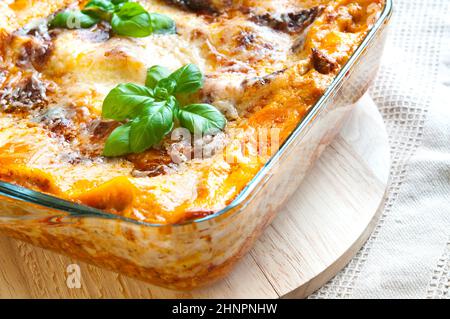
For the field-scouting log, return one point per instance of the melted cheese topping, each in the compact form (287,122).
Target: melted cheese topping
(260,72)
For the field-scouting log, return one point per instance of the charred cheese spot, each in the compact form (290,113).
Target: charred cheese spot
(205,6)
(250,47)
(323,63)
(290,22)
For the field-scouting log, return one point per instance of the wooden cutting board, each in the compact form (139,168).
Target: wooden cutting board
(321,228)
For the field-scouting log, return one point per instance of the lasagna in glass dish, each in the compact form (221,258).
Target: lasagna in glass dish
(159,138)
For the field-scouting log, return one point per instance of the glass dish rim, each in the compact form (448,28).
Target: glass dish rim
(77,210)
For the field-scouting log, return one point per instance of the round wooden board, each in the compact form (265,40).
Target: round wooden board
(321,228)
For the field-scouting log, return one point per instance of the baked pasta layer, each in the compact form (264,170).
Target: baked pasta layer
(265,63)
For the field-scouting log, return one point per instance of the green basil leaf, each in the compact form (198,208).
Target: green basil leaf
(100,8)
(150,128)
(162,24)
(161,94)
(167,84)
(173,103)
(118,143)
(71,19)
(155,74)
(131,20)
(202,118)
(156,107)
(118,2)
(126,101)
(189,79)
(104,5)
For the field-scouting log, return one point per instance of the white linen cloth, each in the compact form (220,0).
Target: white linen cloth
(408,255)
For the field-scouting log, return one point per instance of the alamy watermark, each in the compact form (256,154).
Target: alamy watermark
(234,146)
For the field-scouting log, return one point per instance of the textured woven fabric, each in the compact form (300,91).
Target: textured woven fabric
(408,255)
(439,286)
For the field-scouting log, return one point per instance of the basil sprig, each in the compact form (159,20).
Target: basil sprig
(149,113)
(126,18)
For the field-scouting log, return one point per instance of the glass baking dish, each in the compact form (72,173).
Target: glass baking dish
(200,252)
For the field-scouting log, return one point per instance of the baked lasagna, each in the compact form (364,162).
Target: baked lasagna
(264,64)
